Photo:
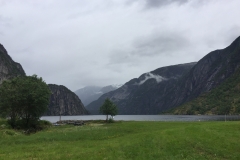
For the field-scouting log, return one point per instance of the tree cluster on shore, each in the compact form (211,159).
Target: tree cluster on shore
(23,100)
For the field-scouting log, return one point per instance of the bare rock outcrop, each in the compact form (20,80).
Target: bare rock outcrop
(64,102)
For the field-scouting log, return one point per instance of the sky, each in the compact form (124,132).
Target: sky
(78,43)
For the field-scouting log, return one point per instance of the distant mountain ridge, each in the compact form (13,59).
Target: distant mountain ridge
(92,93)
(153,93)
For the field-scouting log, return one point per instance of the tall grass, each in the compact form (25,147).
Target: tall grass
(126,140)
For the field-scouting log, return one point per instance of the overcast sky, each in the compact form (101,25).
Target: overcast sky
(77,43)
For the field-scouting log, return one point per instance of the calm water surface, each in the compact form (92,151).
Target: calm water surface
(54,119)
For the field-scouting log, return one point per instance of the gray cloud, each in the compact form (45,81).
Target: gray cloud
(162,3)
(160,43)
(149,4)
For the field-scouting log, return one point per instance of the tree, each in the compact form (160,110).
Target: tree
(24,98)
(108,108)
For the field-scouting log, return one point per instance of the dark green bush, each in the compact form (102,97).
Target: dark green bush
(110,120)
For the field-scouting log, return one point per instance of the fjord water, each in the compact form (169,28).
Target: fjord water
(54,119)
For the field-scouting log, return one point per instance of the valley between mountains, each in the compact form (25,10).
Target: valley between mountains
(209,86)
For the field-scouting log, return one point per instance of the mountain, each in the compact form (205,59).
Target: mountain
(140,95)
(92,93)
(224,99)
(64,101)
(8,68)
(157,92)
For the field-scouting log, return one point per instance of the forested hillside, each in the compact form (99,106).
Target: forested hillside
(224,99)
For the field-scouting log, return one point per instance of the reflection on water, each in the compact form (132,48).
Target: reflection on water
(54,119)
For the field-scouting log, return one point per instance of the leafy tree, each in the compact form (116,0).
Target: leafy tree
(108,108)
(24,99)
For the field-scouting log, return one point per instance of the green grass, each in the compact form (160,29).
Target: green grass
(126,140)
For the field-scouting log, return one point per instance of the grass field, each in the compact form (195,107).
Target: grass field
(125,140)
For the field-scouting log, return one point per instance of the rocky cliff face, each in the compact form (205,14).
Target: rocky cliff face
(64,102)
(169,87)
(8,68)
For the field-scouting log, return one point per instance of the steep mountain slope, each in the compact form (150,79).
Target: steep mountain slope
(64,101)
(224,99)
(139,95)
(8,68)
(92,93)
(154,96)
